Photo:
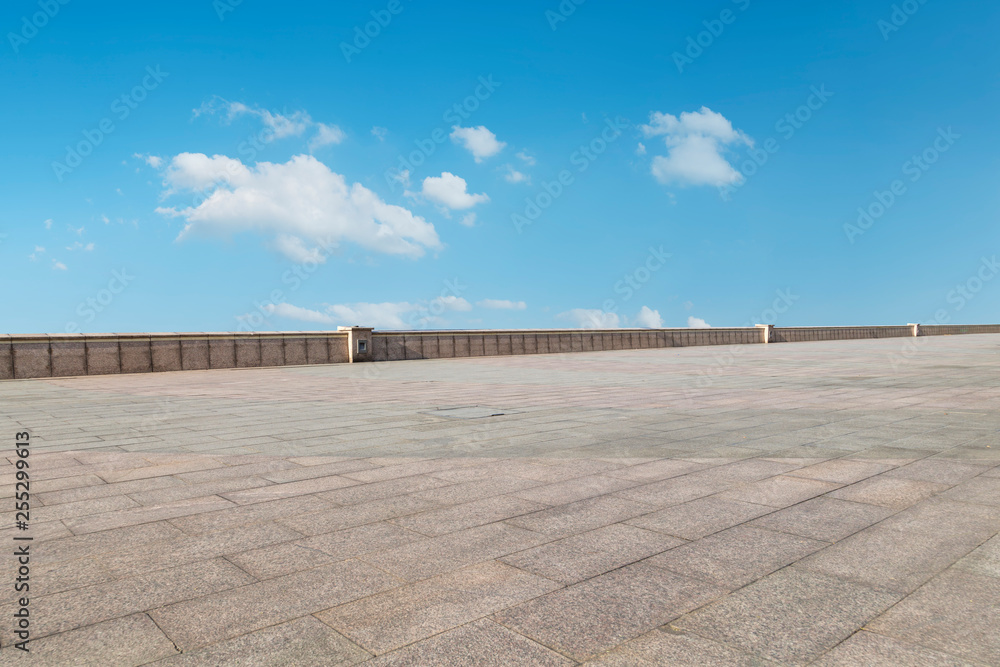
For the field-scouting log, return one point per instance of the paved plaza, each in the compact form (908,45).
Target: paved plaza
(832,503)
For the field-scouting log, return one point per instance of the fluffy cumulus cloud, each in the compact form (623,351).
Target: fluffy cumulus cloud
(696,142)
(451,191)
(502,304)
(515,176)
(301,203)
(477,140)
(649,318)
(583,318)
(276,125)
(387,315)
(698,323)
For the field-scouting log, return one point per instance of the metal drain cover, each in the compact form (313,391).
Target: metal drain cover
(467,412)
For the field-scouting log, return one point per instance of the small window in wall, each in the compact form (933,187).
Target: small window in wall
(362,347)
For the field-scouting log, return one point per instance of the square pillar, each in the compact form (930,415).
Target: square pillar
(915,328)
(359,343)
(767,331)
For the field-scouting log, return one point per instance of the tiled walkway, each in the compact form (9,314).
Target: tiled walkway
(815,503)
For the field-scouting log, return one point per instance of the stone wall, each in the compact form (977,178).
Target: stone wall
(61,355)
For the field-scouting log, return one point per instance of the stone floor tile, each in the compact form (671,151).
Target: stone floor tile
(572,490)
(979,490)
(339,518)
(590,554)
(700,517)
(598,614)
(906,550)
(656,470)
(780,491)
(233,515)
(736,556)
(874,650)
(823,518)
(279,559)
(468,515)
(791,617)
(401,616)
(983,560)
(581,516)
(139,515)
(287,490)
(304,642)
(939,471)
(364,493)
(842,471)
(956,613)
(351,542)
(893,492)
(94,604)
(437,555)
(238,611)
(132,640)
(667,646)
(483,643)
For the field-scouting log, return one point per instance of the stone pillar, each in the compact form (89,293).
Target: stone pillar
(915,327)
(767,332)
(359,343)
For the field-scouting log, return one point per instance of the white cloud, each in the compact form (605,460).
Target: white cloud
(279,126)
(583,318)
(58,266)
(301,198)
(649,318)
(527,158)
(502,304)
(477,140)
(640,149)
(451,303)
(698,323)
(695,144)
(38,251)
(515,176)
(380,132)
(81,246)
(154,161)
(295,249)
(469,220)
(291,312)
(451,191)
(48,223)
(326,135)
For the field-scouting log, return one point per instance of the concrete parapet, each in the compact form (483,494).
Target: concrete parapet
(62,355)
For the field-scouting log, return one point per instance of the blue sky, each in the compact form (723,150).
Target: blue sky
(213,166)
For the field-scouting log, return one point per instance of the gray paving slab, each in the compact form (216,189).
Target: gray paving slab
(617,492)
